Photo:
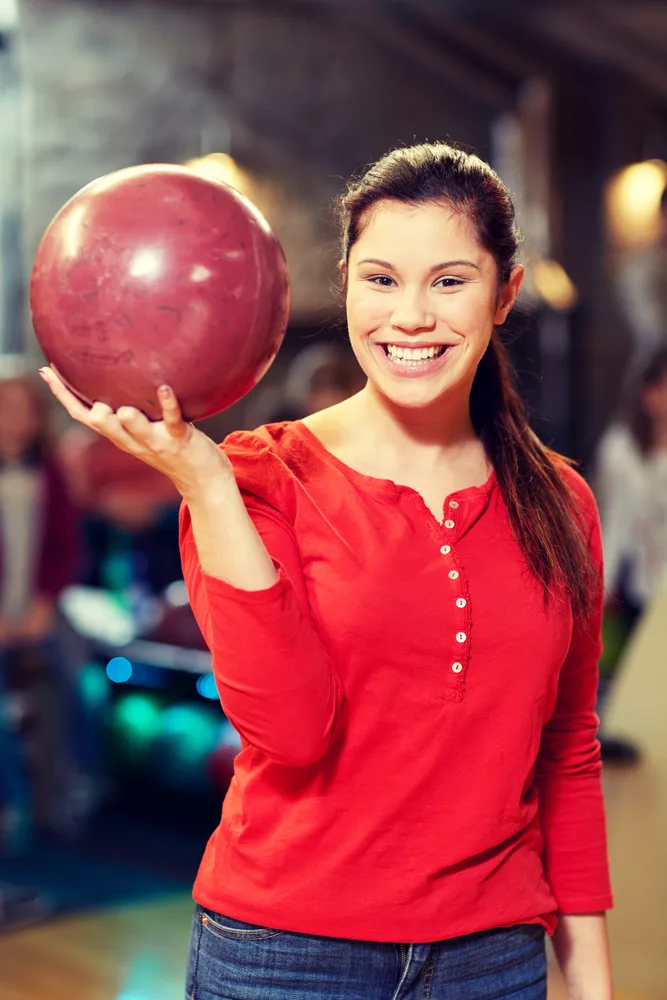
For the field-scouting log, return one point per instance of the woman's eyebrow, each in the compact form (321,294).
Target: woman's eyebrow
(436,267)
(380,263)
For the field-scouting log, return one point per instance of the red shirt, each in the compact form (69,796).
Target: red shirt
(419,737)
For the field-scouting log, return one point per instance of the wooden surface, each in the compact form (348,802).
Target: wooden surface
(637,806)
(637,707)
(134,953)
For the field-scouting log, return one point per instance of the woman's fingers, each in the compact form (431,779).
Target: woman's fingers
(128,428)
(76,409)
(99,417)
(171,412)
(134,421)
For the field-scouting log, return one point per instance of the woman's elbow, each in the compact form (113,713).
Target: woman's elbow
(298,745)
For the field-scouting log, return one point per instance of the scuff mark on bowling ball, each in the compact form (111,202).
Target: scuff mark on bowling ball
(90,356)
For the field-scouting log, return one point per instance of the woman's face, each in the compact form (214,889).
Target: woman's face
(422,300)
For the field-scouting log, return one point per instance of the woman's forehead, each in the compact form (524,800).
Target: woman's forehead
(417,229)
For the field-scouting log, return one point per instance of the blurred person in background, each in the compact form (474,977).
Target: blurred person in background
(130,516)
(39,659)
(631,485)
(642,287)
(403,597)
(319,376)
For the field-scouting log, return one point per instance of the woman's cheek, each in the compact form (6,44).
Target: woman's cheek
(365,317)
(468,315)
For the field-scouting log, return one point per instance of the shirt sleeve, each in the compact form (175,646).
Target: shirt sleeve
(568,773)
(272,671)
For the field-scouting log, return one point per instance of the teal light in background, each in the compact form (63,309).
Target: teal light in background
(188,736)
(206,687)
(135,724)
(94,685)
(119,670)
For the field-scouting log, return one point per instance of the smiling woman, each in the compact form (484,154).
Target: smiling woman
(402,596)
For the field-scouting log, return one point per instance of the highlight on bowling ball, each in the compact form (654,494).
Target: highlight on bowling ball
(159,275)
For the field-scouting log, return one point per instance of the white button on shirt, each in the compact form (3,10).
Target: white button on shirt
(453,574)
(461,603)
(457,667)
(449,524)
(461,637)
(453,504)
(446,549)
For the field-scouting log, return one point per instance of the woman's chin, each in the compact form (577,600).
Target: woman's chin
(415,394)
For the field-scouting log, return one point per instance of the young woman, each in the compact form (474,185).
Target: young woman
(38,559)
(632,491)
(402,595)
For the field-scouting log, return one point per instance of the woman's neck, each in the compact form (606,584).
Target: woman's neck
(374,435)
(443,426)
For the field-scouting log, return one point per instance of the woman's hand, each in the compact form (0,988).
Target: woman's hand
(174,447)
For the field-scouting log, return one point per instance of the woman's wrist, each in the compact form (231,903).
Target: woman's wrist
(582,949)
(210,492)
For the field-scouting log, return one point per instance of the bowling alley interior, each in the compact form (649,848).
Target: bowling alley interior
(120,124)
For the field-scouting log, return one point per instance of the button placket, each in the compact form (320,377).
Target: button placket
(460,641)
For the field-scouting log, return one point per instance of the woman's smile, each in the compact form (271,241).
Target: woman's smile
(414,360)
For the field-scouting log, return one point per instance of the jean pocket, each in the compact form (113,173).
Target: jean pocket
(235,930)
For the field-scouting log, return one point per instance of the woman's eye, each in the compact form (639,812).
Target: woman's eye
(448,282)
(382,279)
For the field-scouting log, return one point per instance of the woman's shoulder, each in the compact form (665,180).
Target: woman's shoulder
(266,459)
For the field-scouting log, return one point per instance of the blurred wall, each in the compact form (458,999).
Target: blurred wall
(299,100)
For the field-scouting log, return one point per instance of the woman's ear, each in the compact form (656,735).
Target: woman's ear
(508,295)
(342,271)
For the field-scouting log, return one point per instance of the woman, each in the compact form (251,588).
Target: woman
(632,491)
(402,596)
(38,559)
(631,486)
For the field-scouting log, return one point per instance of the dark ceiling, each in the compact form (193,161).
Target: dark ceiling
(494,45)
(491,45)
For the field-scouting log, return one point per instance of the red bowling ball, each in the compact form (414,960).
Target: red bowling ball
(155,275)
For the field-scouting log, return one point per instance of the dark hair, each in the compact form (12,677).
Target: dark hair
(638,419)
(542,509)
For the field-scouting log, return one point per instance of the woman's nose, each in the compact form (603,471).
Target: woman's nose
(412,314)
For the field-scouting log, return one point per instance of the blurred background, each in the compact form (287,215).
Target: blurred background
(114,752)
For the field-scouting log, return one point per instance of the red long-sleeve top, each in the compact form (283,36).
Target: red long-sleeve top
(419,756)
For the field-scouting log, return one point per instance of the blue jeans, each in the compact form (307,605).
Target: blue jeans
(231,960)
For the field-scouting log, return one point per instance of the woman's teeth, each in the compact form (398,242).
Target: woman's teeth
(413,355)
